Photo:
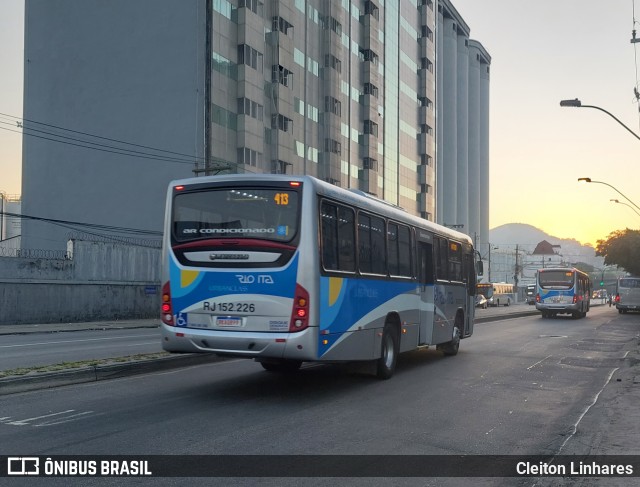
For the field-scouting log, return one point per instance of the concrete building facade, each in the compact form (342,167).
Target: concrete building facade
(388,97)
(462,157)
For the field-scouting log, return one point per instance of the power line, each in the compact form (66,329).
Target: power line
(66,223)
(125,152)
(201,159)
(77,142)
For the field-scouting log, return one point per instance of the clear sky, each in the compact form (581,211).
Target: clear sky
(542,52)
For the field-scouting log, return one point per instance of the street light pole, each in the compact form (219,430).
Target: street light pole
(589,180)
(578,104)
(625,204)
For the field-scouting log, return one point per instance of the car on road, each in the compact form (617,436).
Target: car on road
(481,301)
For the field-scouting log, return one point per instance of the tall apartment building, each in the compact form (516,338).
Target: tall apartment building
(462,157)
(342,90)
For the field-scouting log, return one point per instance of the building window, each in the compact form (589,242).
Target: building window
(249,56)
(333,24)
(330,61)
(332,105)
(280,74)
(249,157)
(332,145)
(426,129)
(280,167)
(370,163)
(371,89)
(250,107)
(425,102)
(281,25)
(426,64)
(368,55)
(281,122)
(372,9)
(371,127)
(254,5)
(426,32)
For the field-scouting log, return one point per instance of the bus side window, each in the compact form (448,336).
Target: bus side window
(469,273)
(338,237)
(425,263)
(441,259)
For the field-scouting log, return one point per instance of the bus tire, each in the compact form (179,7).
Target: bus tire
(386,364)
(451,348)
(282,366)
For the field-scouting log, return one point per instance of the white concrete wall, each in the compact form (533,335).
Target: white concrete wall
(101,281)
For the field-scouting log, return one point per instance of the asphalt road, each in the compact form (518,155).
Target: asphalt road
(518,386)
(57,344)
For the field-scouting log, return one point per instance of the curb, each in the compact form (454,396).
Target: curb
(15,330)
(47,380)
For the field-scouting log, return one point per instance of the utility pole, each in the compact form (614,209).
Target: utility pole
(515,275)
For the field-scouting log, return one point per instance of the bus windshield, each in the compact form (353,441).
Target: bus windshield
(263,213)
(556,279)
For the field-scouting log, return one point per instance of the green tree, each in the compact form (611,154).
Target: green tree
(584,267)
(621,248)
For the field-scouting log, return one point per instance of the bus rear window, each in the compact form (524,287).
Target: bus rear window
(556,279)
(267,214)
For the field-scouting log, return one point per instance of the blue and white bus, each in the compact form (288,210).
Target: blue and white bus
(290,269)
(563,290)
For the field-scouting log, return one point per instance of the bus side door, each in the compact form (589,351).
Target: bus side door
(426,290)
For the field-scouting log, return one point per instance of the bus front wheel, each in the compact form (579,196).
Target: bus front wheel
(386,364)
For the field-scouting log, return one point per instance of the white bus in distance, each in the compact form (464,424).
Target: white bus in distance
(628,294)
(497,293)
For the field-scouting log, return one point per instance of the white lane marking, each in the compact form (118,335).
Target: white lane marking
(68,419)
(24,422)
(539,362)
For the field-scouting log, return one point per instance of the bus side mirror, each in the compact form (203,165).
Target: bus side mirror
(479,268)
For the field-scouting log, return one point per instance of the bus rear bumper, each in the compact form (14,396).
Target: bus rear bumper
(295,346)
(558,308)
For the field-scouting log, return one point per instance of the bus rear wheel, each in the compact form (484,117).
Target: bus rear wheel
(386,364)
(451,348)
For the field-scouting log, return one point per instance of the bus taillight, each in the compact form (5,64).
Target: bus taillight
(537,298)
(300,314)
(165,307)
